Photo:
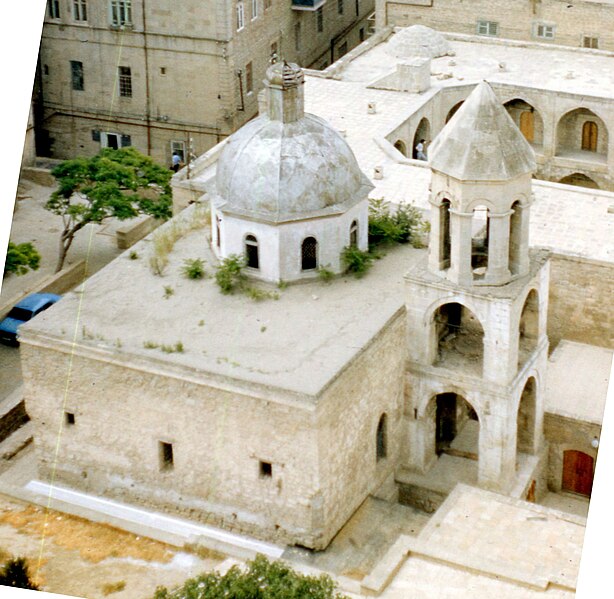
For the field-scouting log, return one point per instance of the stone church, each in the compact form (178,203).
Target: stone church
(279,418)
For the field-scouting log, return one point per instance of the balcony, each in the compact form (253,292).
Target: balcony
(308,5)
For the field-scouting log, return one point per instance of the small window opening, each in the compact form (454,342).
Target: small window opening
(380,439)
(354,234)
(309,254)
(251,252)
(166,456)
(266,470)
(69,418)
(162,70)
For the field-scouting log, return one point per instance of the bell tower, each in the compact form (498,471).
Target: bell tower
(477,312)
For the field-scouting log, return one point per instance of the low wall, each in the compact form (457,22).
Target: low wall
(579,304)
(41,176)
(12,420)
(127,236)
(59,283)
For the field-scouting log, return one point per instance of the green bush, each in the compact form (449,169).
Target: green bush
(262,580)
(20,258)
(326,275)
(193,268)
(356,261)
(229,275)
(15,574)
(404,225)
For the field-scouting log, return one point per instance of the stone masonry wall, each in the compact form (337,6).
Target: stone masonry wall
(580,301)
(218,439)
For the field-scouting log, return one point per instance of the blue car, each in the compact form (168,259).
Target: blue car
(25,310)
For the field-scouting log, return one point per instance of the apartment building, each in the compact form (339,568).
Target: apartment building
(171,77)
(580,23)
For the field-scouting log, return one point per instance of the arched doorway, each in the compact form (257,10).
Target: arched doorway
(445,242)
(579,179)
(458,339)
(354,234)
(578,468)
(528,327)
(525,427)
(582,133)
(515,242)
(401,147)
(423,131)
(456,427)
(251,252)
(309,254)
(454,110)
(527,119)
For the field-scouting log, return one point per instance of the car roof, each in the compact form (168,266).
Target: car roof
(34,301)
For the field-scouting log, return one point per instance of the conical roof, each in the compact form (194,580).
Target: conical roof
(481,142)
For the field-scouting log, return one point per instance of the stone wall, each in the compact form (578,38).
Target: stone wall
(580,301)
(516,20)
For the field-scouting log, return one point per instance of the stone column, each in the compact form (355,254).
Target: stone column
(460,254)
(498,271)
(497,453)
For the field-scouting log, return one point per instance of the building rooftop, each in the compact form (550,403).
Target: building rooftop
(297,344)
(577,383)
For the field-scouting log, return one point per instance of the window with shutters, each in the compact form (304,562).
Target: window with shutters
(125,82)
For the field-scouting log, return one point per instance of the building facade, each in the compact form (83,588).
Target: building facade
(167,78)
(581,23)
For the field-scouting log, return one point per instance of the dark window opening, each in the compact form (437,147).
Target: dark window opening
(309,254)
(444,227)
(381,440)
(166,456)
(266,470)
(76,75)
(69,417)
(354,234)
(251,252)
(125,82)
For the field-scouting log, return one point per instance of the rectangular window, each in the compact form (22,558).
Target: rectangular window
(590,42)
(54,9)
(544,31)
(121,12)
(240,16)
(125,82)
(320,20)
(69,418)
(266,470)
(112,140)
(166,455)
(340,6)
(488,28)
(254,9)
(79,10)
(178,147)
(76,75)
(249,78)
(297,36)
(361,34)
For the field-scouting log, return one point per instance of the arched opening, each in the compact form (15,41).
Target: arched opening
(527,119)
(579,179)
(422,135)
(454,110)
(401,147)
(581,134)
(444,235)
(459,339)
(515,238)
(457,428)
(480,229)
(525,427)
(578,468)
(528,328)
(309,254)
(354,234)
(251,252)
(381,438)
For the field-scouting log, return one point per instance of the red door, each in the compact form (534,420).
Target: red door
(578,472)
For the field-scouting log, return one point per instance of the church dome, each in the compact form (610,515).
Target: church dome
(418,41)
(287,165)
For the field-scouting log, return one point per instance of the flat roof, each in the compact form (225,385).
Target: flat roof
(577,381)
(298,343)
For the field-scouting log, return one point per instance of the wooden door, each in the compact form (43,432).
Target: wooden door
(527,125)
(589,136)
(577,472)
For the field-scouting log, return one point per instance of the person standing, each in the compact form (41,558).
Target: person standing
(176,162)
(421,151)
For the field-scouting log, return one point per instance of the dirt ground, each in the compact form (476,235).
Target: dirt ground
(73,556)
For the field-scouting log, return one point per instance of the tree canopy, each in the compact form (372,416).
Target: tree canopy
(261,580)
(115,183)
(21,257)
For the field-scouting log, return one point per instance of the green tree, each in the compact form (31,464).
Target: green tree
(15,574)
(21,257)
(261,580)
(115,183)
